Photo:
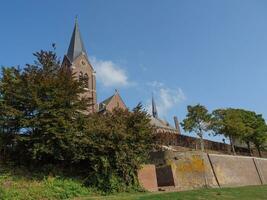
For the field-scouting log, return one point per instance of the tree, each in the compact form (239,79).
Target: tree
(11,110)
(197,120)
(239,124)
(42,104)
(228,122)
(43,120)
(113,146)
(256,130)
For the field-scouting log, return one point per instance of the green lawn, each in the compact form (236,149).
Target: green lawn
(241,193)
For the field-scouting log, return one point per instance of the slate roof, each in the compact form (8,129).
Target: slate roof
(76,47)
(106,101)
(162,125)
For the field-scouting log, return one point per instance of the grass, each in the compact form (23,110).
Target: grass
(244,193)
(18,184)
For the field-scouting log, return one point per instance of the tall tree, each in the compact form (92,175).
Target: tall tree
(41,104)
(256,130)
(239,124)
(228,122)
(55,105)
(11,109)
(197,120)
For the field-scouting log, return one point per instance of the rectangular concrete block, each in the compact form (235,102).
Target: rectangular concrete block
(262,168)
(147,178)
(192,170)
(235,170)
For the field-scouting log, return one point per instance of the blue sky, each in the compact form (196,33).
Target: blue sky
(211,52)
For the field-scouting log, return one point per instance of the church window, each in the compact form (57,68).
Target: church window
(86,80)
(80,76)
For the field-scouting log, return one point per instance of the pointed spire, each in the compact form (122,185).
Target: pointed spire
(154,108)
(76,46)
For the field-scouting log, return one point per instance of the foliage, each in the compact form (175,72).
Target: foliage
(197,120)
(22,184)
(40,106)
(247,126)
(119,144)
(44,121)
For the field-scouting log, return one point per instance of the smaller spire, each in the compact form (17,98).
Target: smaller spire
(154,108)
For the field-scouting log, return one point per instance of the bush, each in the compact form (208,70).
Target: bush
(115,145)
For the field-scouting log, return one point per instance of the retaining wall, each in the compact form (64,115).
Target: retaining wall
(189,170)
(235,170)
(147,178)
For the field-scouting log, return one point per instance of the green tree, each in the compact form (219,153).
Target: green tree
(256,131)
(228,122)
(114,146)
(11,110)
(197,120)
(239,124)
(41,104)
(43,120)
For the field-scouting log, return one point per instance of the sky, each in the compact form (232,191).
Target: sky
(211,52)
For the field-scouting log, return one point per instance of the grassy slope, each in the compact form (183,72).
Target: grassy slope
(244,193)
(23,185)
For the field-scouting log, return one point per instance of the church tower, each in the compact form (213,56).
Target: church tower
(76,60)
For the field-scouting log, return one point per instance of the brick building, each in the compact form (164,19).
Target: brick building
(77,61)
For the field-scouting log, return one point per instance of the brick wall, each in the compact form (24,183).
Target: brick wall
(147,178)
(170,139)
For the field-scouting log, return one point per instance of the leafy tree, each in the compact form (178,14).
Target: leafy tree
(228,122)
(46,101)
(113,146)
(44,121)
(11,110)
(256,131)
(239,124)
(197,120)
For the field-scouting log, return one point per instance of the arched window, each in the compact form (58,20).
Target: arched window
(80,76)
(86,80)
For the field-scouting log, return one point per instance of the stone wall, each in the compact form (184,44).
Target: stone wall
(262,169)
(235,170)
(190,170)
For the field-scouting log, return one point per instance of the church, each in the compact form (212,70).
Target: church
(77,62)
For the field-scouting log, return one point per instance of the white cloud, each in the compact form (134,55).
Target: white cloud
(166,98)
(109,73)
(169,99)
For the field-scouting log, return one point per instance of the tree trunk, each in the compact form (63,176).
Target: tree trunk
(249,148)
(202,142)
(259,150)
(232,145)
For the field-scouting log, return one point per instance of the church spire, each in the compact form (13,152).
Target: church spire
(154,108)
(76,46)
